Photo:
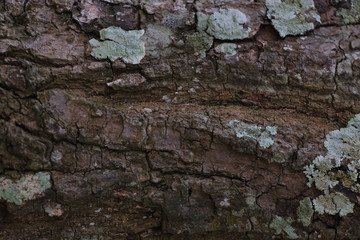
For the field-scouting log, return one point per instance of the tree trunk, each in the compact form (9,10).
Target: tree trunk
(179,119)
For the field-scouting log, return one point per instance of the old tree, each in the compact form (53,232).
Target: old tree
(179,119)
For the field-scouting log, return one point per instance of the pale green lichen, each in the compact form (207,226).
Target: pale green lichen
(226,24)
(345,143)
(53,209)
(202,21)
(351,15)
(228,49)
(333,203)
(353,168)
(323,180)
(26,188)
(292,17)
(250,198)
(118,43)
(279,158)
(325,171)
(305,211)
(280,224)
(263,137)
(272,130)
(157,37)
(200,42)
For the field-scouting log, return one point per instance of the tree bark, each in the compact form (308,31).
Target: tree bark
(180,119)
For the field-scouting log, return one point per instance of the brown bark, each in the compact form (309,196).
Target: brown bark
(157,157)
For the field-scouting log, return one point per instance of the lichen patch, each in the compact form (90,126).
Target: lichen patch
(228,49)
(351,15)
(201,42)
(28,187)
(280,224)
(340,165)
(118,43)
(305,211)
(226,24)
(263,137)
(53,209)
(333,203)
(292,17)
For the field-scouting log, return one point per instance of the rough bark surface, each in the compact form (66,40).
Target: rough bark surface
(206,137)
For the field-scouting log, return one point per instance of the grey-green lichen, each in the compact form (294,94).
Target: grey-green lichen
(200,42)
(280,224)
(250,198)
(26,188)
(292,17)
(263,137)
(226,24)
(53,209)
(351,15)
(305,211)
(118,43)
(345,143)
(343,150)
(228,49)
(157,37)
(202,21)
(321,177)
(279,158)
(333,203)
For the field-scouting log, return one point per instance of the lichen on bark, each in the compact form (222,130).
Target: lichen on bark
(118,43)
(228,24)
(280,224)
(350,15)
(170,132)
(305,211)
(342,146)
(290,17)
(228,49)
(28,187)
(263,137)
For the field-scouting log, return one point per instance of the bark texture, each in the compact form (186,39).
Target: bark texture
(205,135)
